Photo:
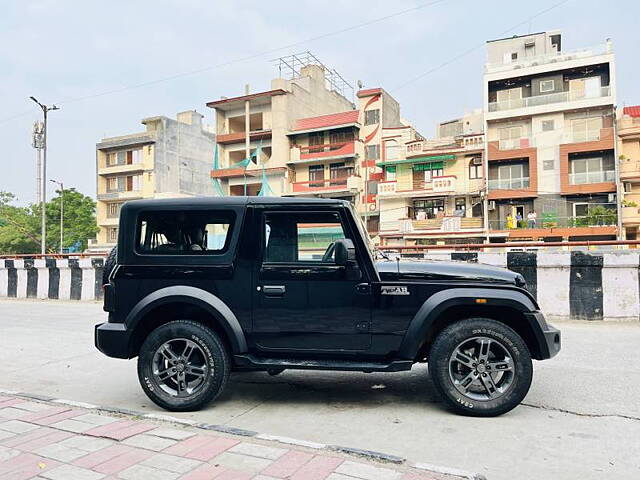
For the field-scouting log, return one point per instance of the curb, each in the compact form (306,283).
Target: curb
(379,457)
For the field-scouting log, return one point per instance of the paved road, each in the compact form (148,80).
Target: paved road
(581,419)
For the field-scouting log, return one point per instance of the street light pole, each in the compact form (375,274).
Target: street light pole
(45,110)
(61,212)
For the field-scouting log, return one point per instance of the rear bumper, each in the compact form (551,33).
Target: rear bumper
(112,339)
(549,337)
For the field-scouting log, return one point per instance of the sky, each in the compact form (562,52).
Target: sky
(110,64)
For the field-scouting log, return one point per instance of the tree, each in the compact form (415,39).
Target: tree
(20,226)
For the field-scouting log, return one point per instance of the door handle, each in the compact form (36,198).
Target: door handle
(274,290)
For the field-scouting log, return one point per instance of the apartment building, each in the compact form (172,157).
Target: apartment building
(432,190)
(550,143)
(312,140)
(270,117)
(171,158)
(629,168)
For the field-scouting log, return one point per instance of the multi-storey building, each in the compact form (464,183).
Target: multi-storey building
(550,143)
(432,189)
(269,117)
(629,168)
(171,158)
(313,141)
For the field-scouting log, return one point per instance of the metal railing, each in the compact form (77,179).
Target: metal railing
(421,249)
(515,143)
(604,220)
(509,184)
(537,100)
(592,177)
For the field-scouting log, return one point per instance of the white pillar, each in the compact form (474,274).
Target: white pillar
(88,291)
(64,288)
(4,279)
(493,258)
(554,272)
(620,296)
(21,290)
(43,278)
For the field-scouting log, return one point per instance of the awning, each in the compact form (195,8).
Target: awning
(427,159)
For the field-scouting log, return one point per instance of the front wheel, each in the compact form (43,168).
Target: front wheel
(480,367)
(183,365)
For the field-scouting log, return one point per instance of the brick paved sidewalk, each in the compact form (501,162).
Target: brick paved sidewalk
(57,442)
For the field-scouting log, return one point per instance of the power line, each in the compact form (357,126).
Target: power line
(476,47)
(242,59)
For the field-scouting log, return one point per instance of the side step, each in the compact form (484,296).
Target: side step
(252,361)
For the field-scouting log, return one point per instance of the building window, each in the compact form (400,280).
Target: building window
(113,234)
(392,150)
(423,209)
(124,157)
(113,209)
(461,205)
(390,173)
(372,152)
(316,138)
(342,135)
(510,98)
(510,137)
(475,168)
(589,170)
(316,176)
(338,173)
(128,183)
(512,177)
(548,125)
(586,129)
(371,117)
(585,88)
(547,86)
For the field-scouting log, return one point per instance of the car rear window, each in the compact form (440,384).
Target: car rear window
(184,233)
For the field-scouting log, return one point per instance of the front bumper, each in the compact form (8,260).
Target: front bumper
(548,337)
(113,339)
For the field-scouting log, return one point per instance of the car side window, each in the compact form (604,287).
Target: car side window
(184,233)
(301,237)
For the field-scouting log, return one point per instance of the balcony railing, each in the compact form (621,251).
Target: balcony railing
(582,136)
(515,143)
(550,58)
(537,100)
(509,184)
(606,220)
(340,184)
(448,223)
(327,150)
(592,177)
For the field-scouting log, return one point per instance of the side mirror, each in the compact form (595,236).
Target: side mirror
(345,252)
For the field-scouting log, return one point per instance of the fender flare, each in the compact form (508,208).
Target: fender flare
(439,302)
(194,296)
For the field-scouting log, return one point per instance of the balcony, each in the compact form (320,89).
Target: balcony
(450,224)
(630,215)
(552,98)
(555,57)
(606,219)
(629,169)
(333,185)
(444,184)
(229,138)
(509,184)
(322,152)
(515,143)
(592,177)
(123,195)
(585,136)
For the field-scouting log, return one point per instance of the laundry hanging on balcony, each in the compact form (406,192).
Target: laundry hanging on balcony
(265,188)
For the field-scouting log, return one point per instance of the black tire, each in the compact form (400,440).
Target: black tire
(485,396)
(210,352)
(109,265)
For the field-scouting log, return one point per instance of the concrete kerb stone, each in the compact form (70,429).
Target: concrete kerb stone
(379,457)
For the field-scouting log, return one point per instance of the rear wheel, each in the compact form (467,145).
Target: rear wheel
(183,365)
(480,367)
(109,264)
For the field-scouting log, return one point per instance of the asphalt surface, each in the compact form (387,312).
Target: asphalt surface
(581,419)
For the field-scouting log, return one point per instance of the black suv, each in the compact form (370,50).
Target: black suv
(200,287)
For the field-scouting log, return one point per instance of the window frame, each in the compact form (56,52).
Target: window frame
(547,90)
(231,234)
(261,260)
(374,112)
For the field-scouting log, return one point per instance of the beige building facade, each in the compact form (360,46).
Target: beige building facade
(629,168)
(171,158)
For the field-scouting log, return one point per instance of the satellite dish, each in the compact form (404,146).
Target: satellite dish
(360,84)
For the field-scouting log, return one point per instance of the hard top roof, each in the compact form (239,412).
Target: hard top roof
(231,201)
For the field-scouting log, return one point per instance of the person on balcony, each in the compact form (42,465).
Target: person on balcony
(532,218)
(510,222)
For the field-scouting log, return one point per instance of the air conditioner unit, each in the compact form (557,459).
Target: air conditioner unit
(477,161)
(626,187)
(492,205)
(612,198)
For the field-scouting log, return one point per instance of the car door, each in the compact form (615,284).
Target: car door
(303,300)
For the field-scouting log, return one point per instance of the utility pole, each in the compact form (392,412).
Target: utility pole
(61,212)
(38,143)
(45,110)
(247,134)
